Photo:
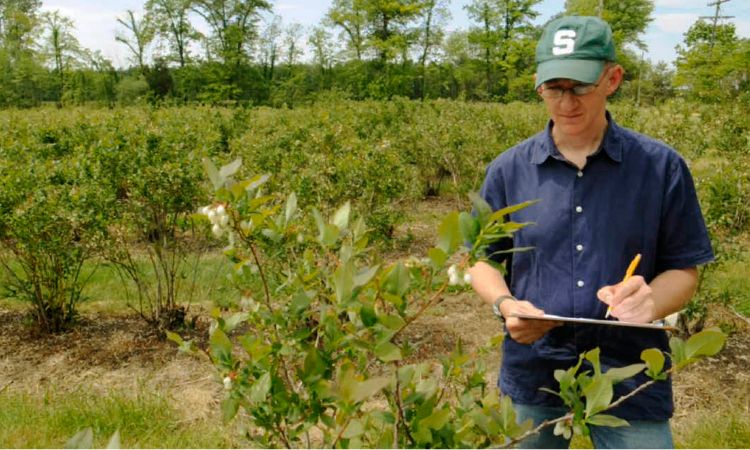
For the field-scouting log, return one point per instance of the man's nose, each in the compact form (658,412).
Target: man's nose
(568,99)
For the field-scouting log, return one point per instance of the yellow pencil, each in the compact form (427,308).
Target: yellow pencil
(628,274)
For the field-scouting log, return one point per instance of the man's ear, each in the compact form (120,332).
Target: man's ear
(614,79)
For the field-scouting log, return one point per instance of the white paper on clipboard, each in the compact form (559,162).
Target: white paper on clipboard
(617,323)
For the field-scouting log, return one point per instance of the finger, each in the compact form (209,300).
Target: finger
(525,307)
(635,306)
(606,294)
(625,289)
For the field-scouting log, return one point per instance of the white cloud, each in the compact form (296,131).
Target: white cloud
(674,22)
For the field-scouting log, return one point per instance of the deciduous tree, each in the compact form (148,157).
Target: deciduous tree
(170,19)
(141,33)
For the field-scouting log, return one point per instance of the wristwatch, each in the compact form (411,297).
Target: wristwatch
(496,306)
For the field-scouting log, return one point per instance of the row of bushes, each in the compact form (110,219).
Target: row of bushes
(113,184)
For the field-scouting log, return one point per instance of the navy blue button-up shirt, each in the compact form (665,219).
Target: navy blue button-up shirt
(635,195)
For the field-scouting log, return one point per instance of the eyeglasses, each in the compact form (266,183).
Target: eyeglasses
(558,91)
(577,90)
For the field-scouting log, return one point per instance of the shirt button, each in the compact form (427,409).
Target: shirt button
(580,173)
(579,247)
(580,283)
(579,209)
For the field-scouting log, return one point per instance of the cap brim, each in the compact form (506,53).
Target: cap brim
(583,70)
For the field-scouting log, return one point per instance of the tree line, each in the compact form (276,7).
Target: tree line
(361,49)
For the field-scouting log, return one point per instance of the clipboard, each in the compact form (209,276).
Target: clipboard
(617,323)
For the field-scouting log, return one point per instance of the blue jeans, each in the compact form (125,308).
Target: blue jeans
(640,433)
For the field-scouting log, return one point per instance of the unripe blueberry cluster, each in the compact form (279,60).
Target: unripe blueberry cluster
(217,215)
(455,278)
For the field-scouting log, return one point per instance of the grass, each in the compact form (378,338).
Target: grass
(203,283)
(720,429)
(50,419)
(106,292)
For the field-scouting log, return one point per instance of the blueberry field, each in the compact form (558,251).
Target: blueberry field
(298,259)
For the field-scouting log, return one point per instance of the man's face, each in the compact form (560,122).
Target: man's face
(575,115)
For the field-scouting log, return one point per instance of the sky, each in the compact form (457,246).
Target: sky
(96,20)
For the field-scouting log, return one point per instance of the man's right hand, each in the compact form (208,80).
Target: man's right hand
(525,331)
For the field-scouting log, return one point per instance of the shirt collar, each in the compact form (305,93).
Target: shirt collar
(611,144)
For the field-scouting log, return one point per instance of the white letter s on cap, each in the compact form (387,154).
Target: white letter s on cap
(564,42)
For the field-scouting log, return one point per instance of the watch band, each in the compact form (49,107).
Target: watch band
(496,305)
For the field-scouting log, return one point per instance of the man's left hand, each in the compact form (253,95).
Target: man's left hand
(630,301)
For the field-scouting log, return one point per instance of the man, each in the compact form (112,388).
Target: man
(606,194)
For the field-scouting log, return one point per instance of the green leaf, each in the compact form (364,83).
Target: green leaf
(593,357)
(330,235)
(365,275)
(706,343)
(82,439)
(598,395)
(260,388)
(437,257)
(397,280)
(343,280)
(388,352)
(341,216)
(174,337)
(437,419)
(654,360)
(482,209)
(566,378)
(230,169)
(368,316)
(423,436)
(392,321)
(605,420)
(221,346)
(617,374)
(213,174)
(507,415)
(291,208)
(354,429)
(229,408)
(234,321)
(314,366)
(255,182)
(677,349)
(468,226)
(300,302)
(366,389)
(498,216)
(448,234)
(320,223)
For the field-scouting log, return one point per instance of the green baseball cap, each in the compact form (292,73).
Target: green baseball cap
(574,47)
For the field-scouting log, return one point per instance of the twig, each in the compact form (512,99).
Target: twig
(282,436)
(536,430)
(401,417)
(569,416)
(262,276)
(341,432)
(431,302)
